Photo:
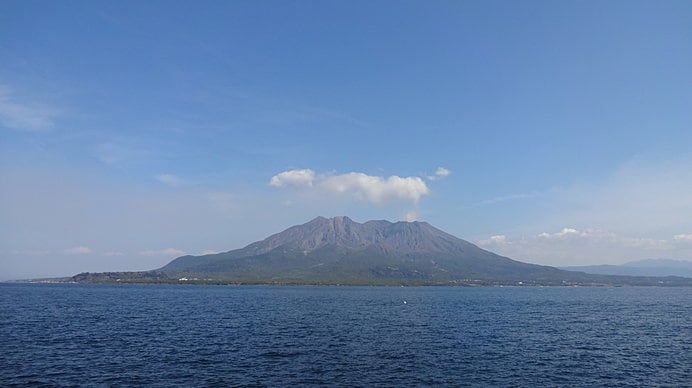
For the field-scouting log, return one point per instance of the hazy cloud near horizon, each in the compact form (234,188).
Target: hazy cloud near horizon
(570,246)
(641,210)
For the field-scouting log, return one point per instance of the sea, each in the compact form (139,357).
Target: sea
(190,335)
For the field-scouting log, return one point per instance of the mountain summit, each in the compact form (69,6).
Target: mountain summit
(341,251)
(342,232)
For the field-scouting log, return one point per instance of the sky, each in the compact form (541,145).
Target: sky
(133,132)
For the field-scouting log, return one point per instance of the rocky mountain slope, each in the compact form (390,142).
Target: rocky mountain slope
(341,251)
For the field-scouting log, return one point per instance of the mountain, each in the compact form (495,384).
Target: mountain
(341,251)
(647,267)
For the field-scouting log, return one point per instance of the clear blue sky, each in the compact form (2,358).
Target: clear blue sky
(132,132)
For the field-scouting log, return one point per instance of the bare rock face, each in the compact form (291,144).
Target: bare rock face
(400,237)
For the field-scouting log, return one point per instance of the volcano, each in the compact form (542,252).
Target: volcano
(341,251)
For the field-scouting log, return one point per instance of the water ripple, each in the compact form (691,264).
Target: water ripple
(77,335)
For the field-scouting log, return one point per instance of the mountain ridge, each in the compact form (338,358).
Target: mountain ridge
(339,250)
(645,267)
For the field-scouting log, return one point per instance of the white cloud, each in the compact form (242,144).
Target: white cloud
(293,178)
(77,251)
(493,241)
(374,188)
(16,115)
(564,233)
(361,186)
(683,237)
(169,180)
(498,238)
(441,172)
(162,252)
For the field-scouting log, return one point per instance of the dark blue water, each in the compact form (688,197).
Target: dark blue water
(268,336)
